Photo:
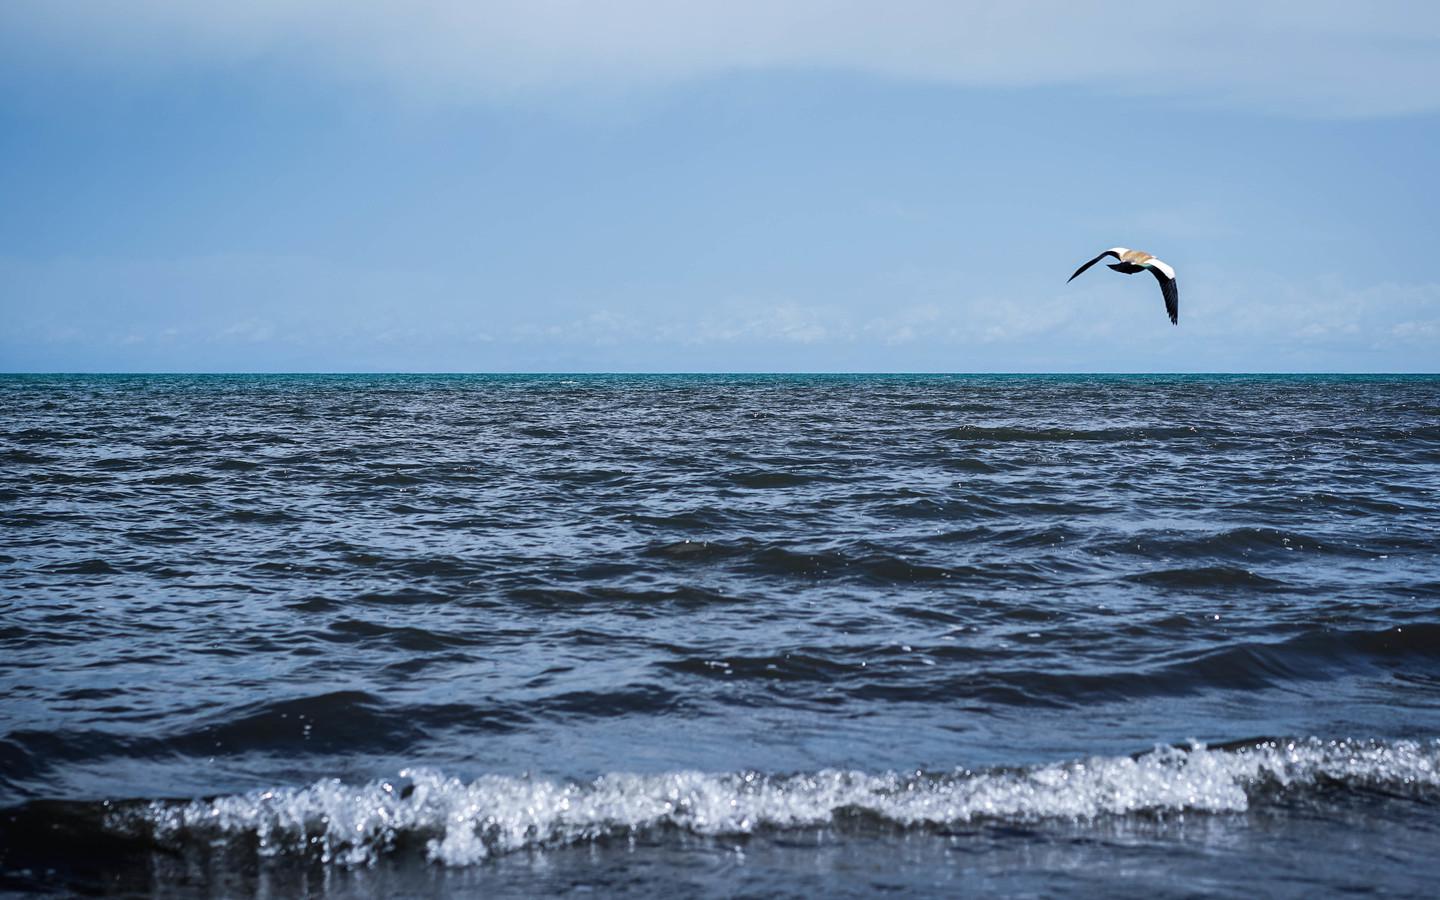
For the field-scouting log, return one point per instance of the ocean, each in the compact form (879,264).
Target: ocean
(383,636)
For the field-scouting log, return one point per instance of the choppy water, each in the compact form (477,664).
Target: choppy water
(384,635)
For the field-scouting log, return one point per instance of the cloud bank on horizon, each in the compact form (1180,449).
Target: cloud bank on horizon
(1319,57)
(638,184)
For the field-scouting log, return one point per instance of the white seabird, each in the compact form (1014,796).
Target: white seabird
(1132,261)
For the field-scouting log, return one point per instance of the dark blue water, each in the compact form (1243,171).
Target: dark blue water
(375,636)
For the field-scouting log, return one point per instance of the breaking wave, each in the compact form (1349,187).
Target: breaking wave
(462,823)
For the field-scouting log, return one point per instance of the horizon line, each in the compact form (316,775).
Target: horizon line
(673,373)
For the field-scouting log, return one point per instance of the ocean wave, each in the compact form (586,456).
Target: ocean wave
(959,671)
(1247,543)
(462,823)
(1018,433)
(1203,577)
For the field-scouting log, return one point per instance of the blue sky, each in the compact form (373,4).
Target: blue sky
(653,186)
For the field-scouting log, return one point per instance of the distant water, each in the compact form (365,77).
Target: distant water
(684,635)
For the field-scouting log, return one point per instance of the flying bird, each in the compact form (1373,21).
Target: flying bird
(1132,261)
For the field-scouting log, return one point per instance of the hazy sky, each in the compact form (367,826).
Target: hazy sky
(660,185)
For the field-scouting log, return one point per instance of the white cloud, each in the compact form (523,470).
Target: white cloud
(1318,311)
(261,313)
(1311,57)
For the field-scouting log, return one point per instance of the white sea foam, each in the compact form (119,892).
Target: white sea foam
(464,822)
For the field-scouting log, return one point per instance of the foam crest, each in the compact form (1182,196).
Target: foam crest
(462,823)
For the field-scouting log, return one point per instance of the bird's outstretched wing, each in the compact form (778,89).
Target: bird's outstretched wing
(1113,251)
(1166,276)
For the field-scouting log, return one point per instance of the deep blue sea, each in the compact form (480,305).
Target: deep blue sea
(382,636)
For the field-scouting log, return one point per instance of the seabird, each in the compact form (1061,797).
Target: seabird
(1132,261)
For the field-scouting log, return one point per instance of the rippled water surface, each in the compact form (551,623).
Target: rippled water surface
(719,634)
